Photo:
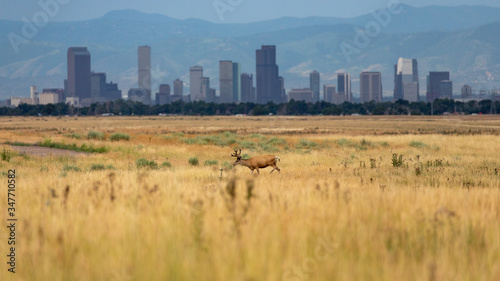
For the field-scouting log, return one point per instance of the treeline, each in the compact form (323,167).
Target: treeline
(123,107)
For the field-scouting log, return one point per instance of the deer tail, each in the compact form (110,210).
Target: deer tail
(277,158)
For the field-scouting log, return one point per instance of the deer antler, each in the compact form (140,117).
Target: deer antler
(236,154)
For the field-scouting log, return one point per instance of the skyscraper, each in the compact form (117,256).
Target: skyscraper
(466,92)
(344,85)
(226,76)
(33,92)
(236,82)
(100,90)
(212,95)
(305,95)
(406,85)
(178,87)
(195,74)
(247,88)
(282,88)
(314,85)
(205,89)
(144,70)
(112,91)
(268,82)
(370,86)
(434,84)
(97,85)
(78,82)
(329,93)
(163,97)
(446,89)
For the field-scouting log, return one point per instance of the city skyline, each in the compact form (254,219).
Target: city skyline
(439,84)
(172,56)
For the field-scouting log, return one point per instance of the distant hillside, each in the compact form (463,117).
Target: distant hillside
(464,40)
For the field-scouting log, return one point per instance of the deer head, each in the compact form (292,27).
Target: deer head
(238,157)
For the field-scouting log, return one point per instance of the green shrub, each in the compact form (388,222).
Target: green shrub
(95,135)
(74,147)
(418,144)
(397,161)
(345,142)
(101,167)
(268,147)
(248,145)
(17,143)
(306,144)
(144,163)
(277,141)
(229,134)
(211,162)
(6,155)
(178,134)
(230,141)
(71,168)
(166,164)
(119,137)
(193,161)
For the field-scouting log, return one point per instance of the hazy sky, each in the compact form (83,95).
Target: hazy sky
(226,11)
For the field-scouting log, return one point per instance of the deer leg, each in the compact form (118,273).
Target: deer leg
(258,171)
(276,168)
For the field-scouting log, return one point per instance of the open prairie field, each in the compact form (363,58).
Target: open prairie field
(157,198)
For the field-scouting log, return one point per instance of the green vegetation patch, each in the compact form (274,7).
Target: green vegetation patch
(211,162)
(101,167)
(145,163)
(74,147)
(95,135)
(71,168)
(193,161)
(166,164)
(119,137)
(418,144)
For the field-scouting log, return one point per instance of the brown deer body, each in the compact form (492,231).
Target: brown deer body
(257,162)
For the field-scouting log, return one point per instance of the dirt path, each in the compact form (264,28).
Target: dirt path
(45,151)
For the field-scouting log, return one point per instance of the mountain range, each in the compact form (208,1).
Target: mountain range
(464,40)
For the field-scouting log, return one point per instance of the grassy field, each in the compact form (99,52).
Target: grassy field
(358,198)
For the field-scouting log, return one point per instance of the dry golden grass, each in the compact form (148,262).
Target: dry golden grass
(329,215)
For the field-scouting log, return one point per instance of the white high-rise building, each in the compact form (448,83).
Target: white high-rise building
(406,85)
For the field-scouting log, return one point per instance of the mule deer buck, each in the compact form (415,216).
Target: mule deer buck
(257,162)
